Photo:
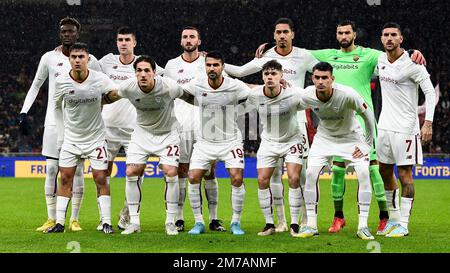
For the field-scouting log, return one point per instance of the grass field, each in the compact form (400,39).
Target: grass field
(23,210)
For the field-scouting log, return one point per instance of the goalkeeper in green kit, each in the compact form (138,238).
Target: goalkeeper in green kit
(353,66)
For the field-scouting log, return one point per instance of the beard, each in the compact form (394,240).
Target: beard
(190,48)
(213,76)
(346,44)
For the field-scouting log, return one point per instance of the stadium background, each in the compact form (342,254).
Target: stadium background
(235,27)
(30,28)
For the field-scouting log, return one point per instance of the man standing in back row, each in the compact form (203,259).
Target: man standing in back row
(400,139)
(53,64)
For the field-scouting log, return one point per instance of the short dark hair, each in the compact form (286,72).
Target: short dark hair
(215,55)
(392,25)
(347,22)
(284,20)
(323,66)
(70,21)
(126,30)
(192,28)
(147,59)
(273,64)
(79,46)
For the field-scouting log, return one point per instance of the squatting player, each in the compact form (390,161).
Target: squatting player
(81,132)
(400,139)
(53,64)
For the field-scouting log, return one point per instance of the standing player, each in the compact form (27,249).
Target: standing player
(218,137)
(81,131)
(296,62)
(400,139)
(52,64)
(120,116)
(156,133)
(184,68)
(338,134)
(281,138)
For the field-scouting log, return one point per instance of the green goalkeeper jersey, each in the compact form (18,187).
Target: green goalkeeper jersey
(353,68)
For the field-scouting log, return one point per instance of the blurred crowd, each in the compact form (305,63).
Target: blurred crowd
(234,27)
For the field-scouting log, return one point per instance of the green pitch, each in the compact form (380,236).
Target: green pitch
(23,210)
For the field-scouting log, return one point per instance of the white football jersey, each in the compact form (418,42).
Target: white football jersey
(52,64)
(120,114)
(337,115)
(400,95)
(154,109)
(279,114)
(218,108)
(295,65)
(183,72)
(82,106)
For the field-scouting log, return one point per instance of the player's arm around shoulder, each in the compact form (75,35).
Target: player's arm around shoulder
(187,91)
(115,92)
(94,63)
(299,96)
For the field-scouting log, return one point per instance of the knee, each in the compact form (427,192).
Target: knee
(294,181)
(194,178)
(236,180)
(263,182)
(100,177)
(171,172)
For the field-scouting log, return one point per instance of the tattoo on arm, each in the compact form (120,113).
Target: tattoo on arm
(188,98)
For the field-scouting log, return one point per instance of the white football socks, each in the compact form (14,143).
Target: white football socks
(237,202)
(392,198)
(105,208)
(171,198)
(406,207)
(133,196)
(265,202)
(61,209)
(364,194)
(77,191)
(181,198)
(212,195)
(295,203)
(276,187)
(195,198)
(51,182)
